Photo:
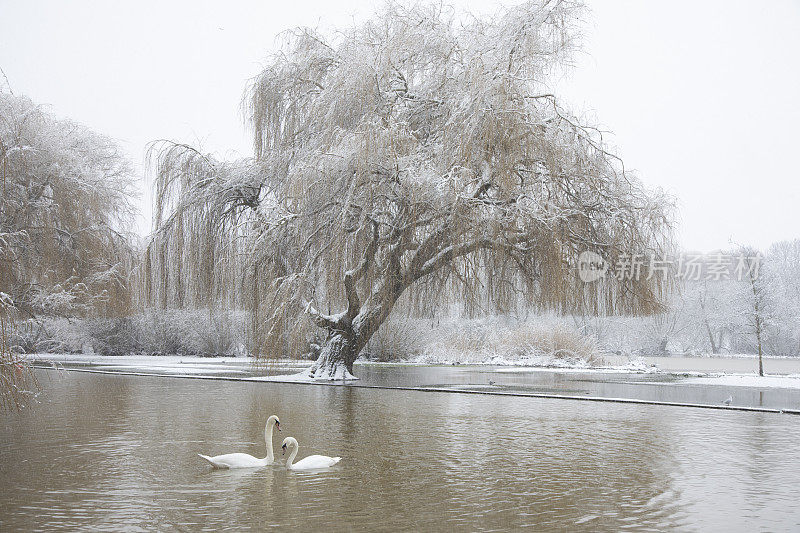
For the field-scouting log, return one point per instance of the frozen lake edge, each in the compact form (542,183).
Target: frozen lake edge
(520,381)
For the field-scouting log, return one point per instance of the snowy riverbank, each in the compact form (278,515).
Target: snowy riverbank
(687,370)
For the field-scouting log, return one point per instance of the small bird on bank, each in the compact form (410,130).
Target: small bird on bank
(728,400)
(491,382)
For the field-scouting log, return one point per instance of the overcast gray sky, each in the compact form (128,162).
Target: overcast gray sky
(702,96)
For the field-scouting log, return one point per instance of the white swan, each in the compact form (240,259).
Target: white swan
(243,460)
(312,462)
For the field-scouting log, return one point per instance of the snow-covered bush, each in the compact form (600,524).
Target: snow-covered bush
(161,333)
(192,332)
(398,340)
(31,336)
(498,338)
(113,336)
(153,332)
(217,332)
(508,339)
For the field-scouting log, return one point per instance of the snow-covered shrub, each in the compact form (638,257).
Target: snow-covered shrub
(554,338)
(192,332)
(510,340)
(397,339)
(72,335)
(48,335)
(113,336)
(153,332)
(53,334)
(213,332)
(538,339)
(161,334)
(28,336)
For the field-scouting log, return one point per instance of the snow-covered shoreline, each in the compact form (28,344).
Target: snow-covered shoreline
(244,367)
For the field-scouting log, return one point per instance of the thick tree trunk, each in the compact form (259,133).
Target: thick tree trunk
(347,338)
(336,357)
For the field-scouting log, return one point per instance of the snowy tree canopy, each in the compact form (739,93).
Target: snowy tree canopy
(417,153)
(65,203)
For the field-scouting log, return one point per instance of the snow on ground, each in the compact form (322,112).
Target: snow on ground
(302,377)
(168,364)
(299,377)
(638,366)
(791,381)
(735,356)
(179,369)
(184,365)
(548,363)
(241,365)
(159,361)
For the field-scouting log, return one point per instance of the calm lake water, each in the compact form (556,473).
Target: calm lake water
(112,452)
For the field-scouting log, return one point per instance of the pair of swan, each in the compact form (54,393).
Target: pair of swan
(243,460)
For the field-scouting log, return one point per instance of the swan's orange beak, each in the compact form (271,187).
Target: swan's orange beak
(278,425)
(283,452)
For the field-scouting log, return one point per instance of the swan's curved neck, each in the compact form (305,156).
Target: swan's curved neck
(268,439)
(292,455)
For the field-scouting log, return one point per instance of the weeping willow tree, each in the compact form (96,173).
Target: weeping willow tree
(416,154)
(64,205)
(64,208)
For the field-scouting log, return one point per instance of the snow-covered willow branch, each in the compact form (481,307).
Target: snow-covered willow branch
(64,212)
(17,382)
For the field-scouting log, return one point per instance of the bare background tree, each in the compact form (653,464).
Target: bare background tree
(755,301)
(418,155)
